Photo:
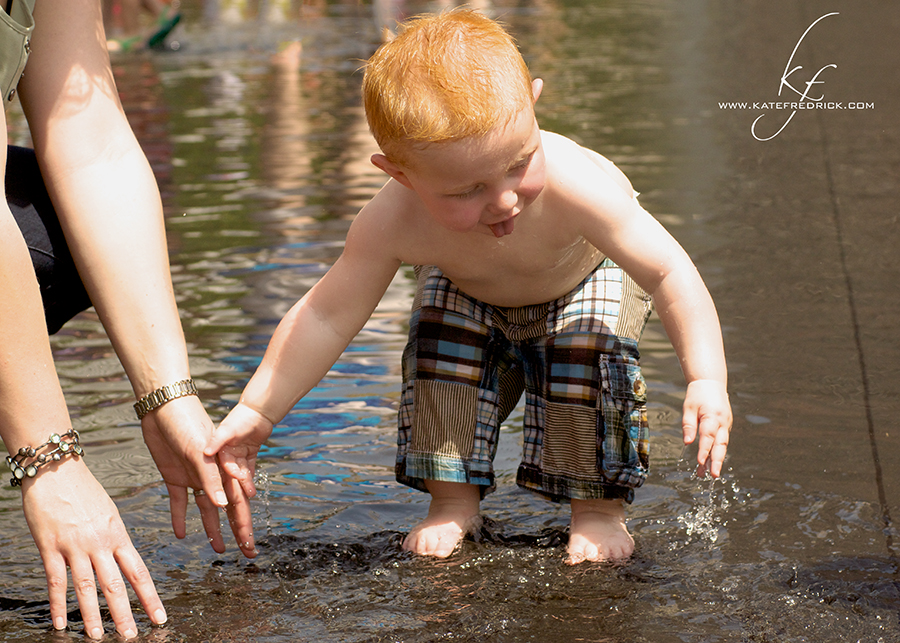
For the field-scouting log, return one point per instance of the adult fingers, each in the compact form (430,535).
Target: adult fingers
(240,518)
(114,589)
(139,578)
(57,582)
(211,481)
(86,594)
(209,515)
(178,501)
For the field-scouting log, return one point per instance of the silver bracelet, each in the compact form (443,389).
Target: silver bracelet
(164,394)
(58,447)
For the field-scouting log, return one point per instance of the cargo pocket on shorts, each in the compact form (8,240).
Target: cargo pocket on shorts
(624,437)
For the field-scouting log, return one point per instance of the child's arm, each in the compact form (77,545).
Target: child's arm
(306,344)
(626,233)
(689,317)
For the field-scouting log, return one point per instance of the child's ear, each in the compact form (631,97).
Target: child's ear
(390,168)
(536,86)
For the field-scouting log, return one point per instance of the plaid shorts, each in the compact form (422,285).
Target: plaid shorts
(576,358)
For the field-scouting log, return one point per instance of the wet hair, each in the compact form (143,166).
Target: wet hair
(444,77)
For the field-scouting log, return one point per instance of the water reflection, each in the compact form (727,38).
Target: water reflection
(256,132)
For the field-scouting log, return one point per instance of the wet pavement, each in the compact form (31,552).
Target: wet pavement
(262,166)
(809,288)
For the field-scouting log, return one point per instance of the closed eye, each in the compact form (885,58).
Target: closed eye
(468,193)
(521,165)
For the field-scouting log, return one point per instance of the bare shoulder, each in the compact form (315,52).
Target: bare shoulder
(598,201)
(388,226)
(565,153)
(589,192)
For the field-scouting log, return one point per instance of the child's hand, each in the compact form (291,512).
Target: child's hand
(236,442)
(707,411)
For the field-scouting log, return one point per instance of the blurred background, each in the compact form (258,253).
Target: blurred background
(250,114)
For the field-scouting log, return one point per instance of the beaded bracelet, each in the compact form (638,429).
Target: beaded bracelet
(58,447)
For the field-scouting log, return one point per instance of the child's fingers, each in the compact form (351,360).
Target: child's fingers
(246,481)
(219,439)
(712,447)
(717,453)
(241,470)
(689,424)
(707,431)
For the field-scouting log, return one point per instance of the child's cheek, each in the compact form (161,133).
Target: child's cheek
(459,220)
(532,187)
(534,180)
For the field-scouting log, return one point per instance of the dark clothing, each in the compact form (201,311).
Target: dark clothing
(62,291)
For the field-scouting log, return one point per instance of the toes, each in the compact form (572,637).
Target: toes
(429,542)
(624,552)
(444,547)
(574,558)
(581,550)
(409,543)
(439,545)
(416,543)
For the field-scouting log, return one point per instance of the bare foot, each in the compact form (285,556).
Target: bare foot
(598,532)
(452,514)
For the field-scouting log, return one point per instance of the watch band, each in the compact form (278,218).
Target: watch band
(164,394)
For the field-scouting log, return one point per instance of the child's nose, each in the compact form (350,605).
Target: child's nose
(505,201)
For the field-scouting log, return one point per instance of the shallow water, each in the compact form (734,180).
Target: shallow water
(262,159)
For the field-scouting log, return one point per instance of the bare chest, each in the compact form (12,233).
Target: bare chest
(534,264)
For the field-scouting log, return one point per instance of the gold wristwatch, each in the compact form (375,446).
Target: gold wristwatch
(162,395)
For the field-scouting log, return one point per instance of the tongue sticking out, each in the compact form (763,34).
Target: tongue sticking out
(503,228)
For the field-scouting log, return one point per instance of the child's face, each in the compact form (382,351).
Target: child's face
(482,184)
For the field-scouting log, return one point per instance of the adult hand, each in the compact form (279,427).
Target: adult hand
(707,413)
(176,434)
(75,524)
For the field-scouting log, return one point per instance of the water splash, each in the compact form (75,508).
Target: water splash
(263,490)
(711,498)
(705,518)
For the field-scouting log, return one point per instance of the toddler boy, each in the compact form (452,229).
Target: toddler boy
(535,265)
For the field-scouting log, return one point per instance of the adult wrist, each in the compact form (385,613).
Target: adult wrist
(28,460)
(163,394)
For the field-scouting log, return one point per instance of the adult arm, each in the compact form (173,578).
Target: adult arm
(109,206)
(73,521)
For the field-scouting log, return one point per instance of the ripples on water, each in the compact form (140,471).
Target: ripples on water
(262,162)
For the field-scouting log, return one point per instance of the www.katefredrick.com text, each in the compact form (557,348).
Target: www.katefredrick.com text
(796,105)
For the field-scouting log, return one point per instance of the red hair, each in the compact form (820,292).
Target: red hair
(444,77)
